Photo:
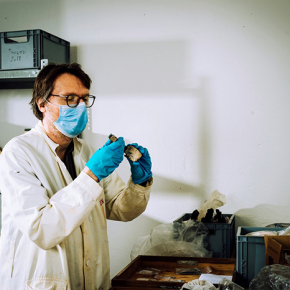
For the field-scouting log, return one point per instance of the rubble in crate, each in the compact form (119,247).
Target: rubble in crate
(194,215)
(209,216)
(272,277)
(212,216)
(220,234)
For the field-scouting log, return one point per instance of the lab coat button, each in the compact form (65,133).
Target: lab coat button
(64,195)
(88,263)
(90,218)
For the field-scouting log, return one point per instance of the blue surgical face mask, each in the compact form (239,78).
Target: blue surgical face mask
(71,121)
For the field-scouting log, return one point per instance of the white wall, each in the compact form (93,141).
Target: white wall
(203,84)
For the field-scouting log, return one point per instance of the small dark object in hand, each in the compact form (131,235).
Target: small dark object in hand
(130,151)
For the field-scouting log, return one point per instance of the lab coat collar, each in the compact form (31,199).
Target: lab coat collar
(40,129)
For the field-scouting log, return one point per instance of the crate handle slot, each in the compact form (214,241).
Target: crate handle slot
(19,39)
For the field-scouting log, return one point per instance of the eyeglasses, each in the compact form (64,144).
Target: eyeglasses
(73,100)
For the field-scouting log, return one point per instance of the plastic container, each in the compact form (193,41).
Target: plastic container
(250,253)
(278,225)
(221,236)
(26,49)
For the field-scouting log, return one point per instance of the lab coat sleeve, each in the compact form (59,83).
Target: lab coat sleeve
(125,202)
(46,221)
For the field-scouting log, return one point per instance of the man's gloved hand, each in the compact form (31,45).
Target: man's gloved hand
(107,159)
(141,169)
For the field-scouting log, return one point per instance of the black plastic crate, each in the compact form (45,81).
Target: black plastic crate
(221,236)
(26,49)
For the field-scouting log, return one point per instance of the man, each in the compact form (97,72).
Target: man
(57,192)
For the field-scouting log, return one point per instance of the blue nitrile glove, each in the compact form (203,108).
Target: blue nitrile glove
(107,159)
(141,169)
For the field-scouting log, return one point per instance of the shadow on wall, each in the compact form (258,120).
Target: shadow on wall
(144,67)
(9,131)
(262,215)
(172,187)
(161,184)
(146,71)
(142,73)
(15,113)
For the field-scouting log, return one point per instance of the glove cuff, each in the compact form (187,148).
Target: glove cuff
(147,182)
(141,180)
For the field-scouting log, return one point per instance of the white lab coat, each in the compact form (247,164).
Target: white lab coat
(54,231)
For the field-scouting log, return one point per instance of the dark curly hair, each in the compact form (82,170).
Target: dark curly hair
(44,82)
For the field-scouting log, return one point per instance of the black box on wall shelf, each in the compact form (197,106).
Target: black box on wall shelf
(23,54)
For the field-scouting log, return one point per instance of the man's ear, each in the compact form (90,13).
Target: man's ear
(40,105)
